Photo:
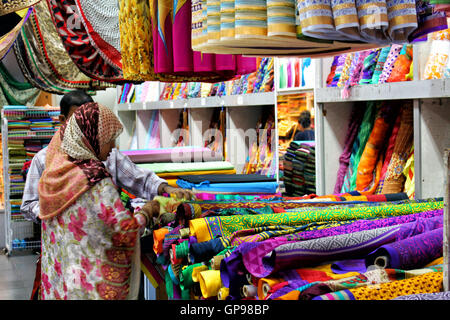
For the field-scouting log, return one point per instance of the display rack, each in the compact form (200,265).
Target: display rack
(242,114)
(19,232)
(431,123)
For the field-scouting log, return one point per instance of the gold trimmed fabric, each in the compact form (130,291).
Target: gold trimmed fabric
(10,6)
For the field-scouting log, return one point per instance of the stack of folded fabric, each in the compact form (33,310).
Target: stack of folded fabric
(171,171)
(174,154)
(235,183)
(300,168)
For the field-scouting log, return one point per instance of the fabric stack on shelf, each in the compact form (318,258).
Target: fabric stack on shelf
(338,247)
(377,147)
(295,73)
(388,64)
(258,81)
(438,62)
(299,166)
(29,130)
(171,171)
(235,183)
(175,154)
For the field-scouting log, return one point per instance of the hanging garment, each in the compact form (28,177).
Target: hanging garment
(394,178)
(10,29)
(101,21)
(10,6)
(183,56)
(14,92)
(77,42)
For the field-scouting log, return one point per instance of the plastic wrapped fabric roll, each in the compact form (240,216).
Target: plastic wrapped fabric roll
(380,64)
(345,18)
(316,19)
(402,19)
(227,19)
(213,20)
(437,59)
(281,18)
(250,18)
(373,20)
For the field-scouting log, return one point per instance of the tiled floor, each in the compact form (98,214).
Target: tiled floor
(17,276)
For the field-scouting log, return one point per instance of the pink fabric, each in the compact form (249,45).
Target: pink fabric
(183,56)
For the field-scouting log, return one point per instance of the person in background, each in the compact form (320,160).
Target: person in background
(124,173)
(304,131)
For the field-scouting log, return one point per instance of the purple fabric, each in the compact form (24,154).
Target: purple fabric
(357,73)
(344,159)
(411,253)
(261,262)
(232,274)
(361,225)
(350,265)
(165,154)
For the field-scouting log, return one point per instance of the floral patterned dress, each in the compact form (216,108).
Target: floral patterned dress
(91,250)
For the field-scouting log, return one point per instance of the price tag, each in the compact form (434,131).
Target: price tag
(144,105)
(203,101)
(240,100)
(129,105)
(171,104)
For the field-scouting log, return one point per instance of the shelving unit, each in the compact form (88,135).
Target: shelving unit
(19,232)
(431,123)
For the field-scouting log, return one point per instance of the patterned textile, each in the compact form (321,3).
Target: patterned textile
(9,6)
(409,174)
(394,178)
(437,59)
(263,260)
(412,252)
(371,162)
(344,159)
(101,21)
(373,20)
(359,145)
(389,64)
(402,65)
(345,17)
(72,158)
(369,278)
(426,296)
(360,225)
(281,18)
(370,63)
(402,19)
(91,250)
(380,64)
(13,92)
(345,74)
(430,282)
(77,42)
(251,18)
(227,19)
(11,29)
(211,227)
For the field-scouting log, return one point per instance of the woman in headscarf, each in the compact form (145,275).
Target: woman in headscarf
(90,241)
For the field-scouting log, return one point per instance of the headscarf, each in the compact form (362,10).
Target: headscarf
(72,162)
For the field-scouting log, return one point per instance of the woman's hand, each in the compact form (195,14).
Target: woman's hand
(178,192)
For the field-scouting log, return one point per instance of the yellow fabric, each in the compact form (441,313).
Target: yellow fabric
(196,271)
(427,283)
(210,283)
(327,269)
(435,262)
(266,282)
(223,293)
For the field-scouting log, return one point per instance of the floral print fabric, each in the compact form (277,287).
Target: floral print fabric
(87,251)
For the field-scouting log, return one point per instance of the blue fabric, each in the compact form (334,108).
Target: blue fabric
(253,187)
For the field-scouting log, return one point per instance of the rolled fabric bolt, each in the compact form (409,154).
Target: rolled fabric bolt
(184,233)
(173,255)
(196,271)
(381,262)
(216,260)
(182,250)
(249,278)
(265,289)
(210,283)
(249,290)
(223,293)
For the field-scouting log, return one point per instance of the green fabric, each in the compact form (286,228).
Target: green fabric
(186,166)
(14,92)
(361,140)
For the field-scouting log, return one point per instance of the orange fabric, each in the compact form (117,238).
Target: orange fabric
(158,239)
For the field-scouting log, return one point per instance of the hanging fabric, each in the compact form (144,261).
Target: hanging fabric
(10,29)
(14,92)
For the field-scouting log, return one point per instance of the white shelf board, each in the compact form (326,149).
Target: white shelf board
(422,89)
(252,99)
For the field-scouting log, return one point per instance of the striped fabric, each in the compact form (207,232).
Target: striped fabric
(281,18)
(402,18)
(373,19)
(345,18)
(227,19)
(213,20)
(251,18)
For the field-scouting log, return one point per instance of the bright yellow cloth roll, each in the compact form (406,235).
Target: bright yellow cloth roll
(196,271)
(210,283)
